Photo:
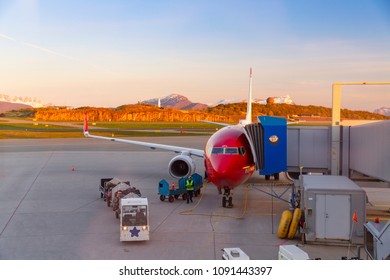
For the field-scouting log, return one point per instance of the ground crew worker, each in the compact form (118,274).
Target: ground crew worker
(190,189)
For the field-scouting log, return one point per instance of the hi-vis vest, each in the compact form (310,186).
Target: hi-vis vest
(190,185)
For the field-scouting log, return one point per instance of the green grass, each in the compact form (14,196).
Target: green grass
(35,127)
(113,129)
(35,131)
(25,131)
(13,134)
(155,125)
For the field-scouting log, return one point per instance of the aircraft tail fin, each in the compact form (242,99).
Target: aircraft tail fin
(248,118)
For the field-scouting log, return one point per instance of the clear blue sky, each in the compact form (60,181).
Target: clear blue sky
(109,53)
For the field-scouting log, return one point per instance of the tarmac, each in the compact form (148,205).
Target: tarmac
(50,212)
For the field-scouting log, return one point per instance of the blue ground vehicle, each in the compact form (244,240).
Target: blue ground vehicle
(165,190)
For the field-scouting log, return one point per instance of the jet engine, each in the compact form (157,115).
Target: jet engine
(181,166)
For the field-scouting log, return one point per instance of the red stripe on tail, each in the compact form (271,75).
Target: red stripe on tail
(85,123)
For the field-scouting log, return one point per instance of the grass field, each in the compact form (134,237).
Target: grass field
(157,125)
(14,130)
(37,130)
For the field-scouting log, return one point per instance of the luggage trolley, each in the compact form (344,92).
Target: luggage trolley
(167,191)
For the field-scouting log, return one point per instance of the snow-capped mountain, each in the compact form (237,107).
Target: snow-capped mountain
(276,100)
(30,101)
(176,101)
(181,102)
(383,111)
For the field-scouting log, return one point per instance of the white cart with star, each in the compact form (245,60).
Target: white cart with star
(134,218)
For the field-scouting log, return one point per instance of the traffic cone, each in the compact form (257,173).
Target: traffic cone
(354,217)
(173,186)
(72,168)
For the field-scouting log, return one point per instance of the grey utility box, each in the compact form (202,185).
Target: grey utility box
(331,206)
(377,240)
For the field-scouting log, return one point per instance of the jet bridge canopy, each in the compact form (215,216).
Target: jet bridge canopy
(254,133)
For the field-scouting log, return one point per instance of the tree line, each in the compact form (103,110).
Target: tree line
(230,113)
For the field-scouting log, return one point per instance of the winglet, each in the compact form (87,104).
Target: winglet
(86,133)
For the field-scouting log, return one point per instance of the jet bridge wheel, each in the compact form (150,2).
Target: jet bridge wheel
(268,177)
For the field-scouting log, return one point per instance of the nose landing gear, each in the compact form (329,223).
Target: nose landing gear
(227,199)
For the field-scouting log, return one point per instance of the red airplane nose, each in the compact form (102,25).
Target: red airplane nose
(228,171)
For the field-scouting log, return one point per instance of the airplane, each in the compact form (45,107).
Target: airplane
(230,156)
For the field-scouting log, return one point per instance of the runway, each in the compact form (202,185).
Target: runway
(48,211)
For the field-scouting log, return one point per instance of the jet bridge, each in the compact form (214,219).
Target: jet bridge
(308,147)
(269,144)
(341,150)
(369,152)
(363,149)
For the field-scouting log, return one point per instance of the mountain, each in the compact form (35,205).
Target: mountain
(176,101)
(8,106)
(9,103)
(181,102)
(383,111)
(31,101)
(276,100)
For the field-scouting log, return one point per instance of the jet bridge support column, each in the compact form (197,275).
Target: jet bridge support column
(335,147)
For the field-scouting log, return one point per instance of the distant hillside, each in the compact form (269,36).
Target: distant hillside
(181,102)
(230,113)
(275,100)
(9,106)
(237,111)
(139,112)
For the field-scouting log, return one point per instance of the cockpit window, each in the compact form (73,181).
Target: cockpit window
(217,150)
(231,151)
(224,151)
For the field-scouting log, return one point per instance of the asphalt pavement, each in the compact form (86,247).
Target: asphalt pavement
(50,207)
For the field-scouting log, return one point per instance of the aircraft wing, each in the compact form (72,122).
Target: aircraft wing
(217,123)
(176,149)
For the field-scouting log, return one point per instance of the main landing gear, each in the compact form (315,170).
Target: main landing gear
(227,199)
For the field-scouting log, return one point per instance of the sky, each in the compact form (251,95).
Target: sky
(109,53)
